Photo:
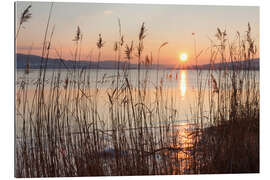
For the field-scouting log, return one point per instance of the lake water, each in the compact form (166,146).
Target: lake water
(179,87)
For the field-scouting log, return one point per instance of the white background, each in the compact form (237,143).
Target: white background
(7,87)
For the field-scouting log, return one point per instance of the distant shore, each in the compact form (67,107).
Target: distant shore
(35,63)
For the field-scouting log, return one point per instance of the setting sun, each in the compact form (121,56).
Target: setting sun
(183,57)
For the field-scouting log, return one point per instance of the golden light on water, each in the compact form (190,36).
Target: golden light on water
(185,140)
(183,83)
(183,57)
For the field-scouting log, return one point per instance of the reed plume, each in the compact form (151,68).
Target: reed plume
(129,50)
(26,15)
(162,45)
(115,47)
(142,36)
(252,49)
(78,34)
(100,42)
(214,84)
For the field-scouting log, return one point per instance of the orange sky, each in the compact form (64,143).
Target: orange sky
(165,23)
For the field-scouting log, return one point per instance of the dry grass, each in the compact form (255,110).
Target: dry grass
(62,132)
(231,142)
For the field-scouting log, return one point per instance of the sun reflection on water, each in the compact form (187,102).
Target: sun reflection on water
(183,83)
(182,158)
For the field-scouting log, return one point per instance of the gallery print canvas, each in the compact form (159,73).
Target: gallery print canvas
(136,89)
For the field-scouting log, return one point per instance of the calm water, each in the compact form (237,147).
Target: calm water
(180,87)
(169,78)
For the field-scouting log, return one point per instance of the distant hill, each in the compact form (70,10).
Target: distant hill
(253,64)
(35,63)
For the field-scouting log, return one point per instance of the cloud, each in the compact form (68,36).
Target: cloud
(107,12)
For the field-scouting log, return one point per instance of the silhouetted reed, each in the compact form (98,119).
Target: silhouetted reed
(62,132)
(25,16)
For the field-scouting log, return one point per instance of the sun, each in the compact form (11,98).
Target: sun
(183,57)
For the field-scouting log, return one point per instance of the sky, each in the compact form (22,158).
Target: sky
(174,24)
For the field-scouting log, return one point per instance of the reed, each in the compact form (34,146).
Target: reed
(230,143)
(62,132)
(25,16)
